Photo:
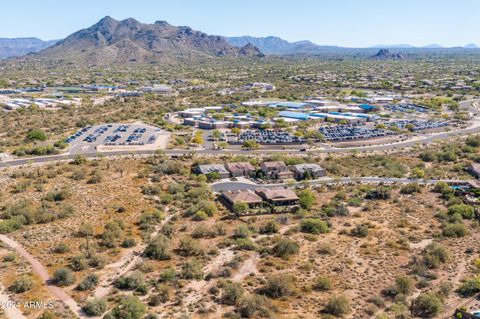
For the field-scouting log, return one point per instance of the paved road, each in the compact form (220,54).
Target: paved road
(231,186)
(474,128)
(42,272)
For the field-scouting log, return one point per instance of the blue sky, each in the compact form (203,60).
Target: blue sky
(353,23)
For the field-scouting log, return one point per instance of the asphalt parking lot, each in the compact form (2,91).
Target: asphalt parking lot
(90,138)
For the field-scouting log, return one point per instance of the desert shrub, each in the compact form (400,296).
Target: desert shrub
(78,263)
(133,282)
(469,287)
(427,305)
(159,249)
(61,248)
(435,255)
(245,244)
(241,231)
(337,306)
(200,216)
(404,285)
(56,195)
(466,211)
(189,247)
(271,227)
(162,296)
(128,243)
(428,156)
(381,193)
(232,292)
(168,275)
(277,286)
(314,226)
(63,277)
(442,188)
(97,261)
(129,307)
(285,247)
(322,283)
(410,188)
(360,230)
(455,230)
(21,285)
(89,282)
(192,269)
(254,306)
(473,140)
(95,307)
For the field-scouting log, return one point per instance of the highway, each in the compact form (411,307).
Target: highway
(424,140)
(232,186)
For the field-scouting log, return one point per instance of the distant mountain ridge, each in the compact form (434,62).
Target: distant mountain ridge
(385,54)
(110,41)
(276,45)
(11,47)
(279,46)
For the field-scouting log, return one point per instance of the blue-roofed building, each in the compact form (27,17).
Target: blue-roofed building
(367,107)
(292,105)
(294,115)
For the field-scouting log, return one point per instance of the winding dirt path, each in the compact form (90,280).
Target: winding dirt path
(125,264)
(42,272)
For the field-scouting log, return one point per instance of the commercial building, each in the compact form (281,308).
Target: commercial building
(293,105)
(294,115)
(157,89)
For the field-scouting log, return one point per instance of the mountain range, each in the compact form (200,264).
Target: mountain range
(110,41)
(22,46)
(276,45)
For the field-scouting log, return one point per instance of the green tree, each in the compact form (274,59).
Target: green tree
(250,145)
(307,198)
(36,135)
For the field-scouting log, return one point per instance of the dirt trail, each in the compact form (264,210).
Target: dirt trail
(42,272)
(11,312)
(125,264)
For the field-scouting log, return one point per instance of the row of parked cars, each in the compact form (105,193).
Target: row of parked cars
(351,132)
(121,128)
(267,137)
(78,134)
(97,133)
(406,107)
(417,125)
